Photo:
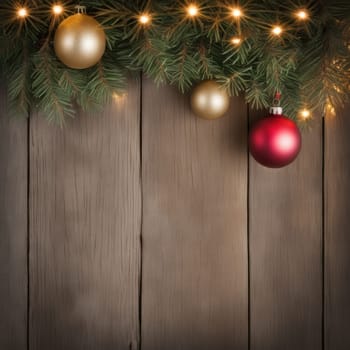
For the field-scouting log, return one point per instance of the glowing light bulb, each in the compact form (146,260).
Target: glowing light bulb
(22,12)
(119,97)
(192,10)
(305,114)
(145,18)
(302,15)
(277,30)
(337,88)
(57,9)
(236,12)
(330,110)
(236,40)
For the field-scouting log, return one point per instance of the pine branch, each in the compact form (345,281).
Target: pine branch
(18,77)
(104,80)
(55,102)
(309,63)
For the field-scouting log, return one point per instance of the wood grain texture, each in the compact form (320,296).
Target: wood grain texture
(337,231)
(285,217)
(13,230)
(194,225)
(85,221)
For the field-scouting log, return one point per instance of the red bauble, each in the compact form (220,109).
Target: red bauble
(275,141)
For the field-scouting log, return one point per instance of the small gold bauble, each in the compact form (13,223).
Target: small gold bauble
(209,100)
(80,42)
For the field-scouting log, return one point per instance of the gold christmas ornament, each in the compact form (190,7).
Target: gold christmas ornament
(209,100)
(80,42)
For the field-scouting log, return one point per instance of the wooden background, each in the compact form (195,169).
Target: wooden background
(148,228)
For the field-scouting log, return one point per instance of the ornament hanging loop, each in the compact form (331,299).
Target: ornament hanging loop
(80,9)
(277,99)
(276,108)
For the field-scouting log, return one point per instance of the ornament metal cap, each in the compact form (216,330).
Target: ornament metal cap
(276,110)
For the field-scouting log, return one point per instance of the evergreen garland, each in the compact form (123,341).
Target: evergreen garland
(309,63)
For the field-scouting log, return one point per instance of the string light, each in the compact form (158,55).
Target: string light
(305,114)
(330,110)
(236,40)
(337,89)
(277,30)
(236,12)
(22,12)
(119,97)
(192,10)
(145,18)
(302,15)
(57,9)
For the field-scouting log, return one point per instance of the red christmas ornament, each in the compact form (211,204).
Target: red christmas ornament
(275,141)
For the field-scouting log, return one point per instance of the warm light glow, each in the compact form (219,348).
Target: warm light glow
(22,12)
(236,40)
(305,114)
(192,10)
(236,12)
(337,89)
(119,98)
(145,18)
(57,9)
(277,30)
(330,110)
(302,14)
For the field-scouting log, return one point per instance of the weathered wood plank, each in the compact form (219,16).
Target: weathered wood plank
(194,225)
(285,219)
(13,230)
(337,231)
(85,225)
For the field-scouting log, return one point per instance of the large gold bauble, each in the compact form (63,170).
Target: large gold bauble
(80,42)
(209,100)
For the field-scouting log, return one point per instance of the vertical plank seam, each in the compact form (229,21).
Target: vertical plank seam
(28,231)
(323,248)
(141,218)
(248,229)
